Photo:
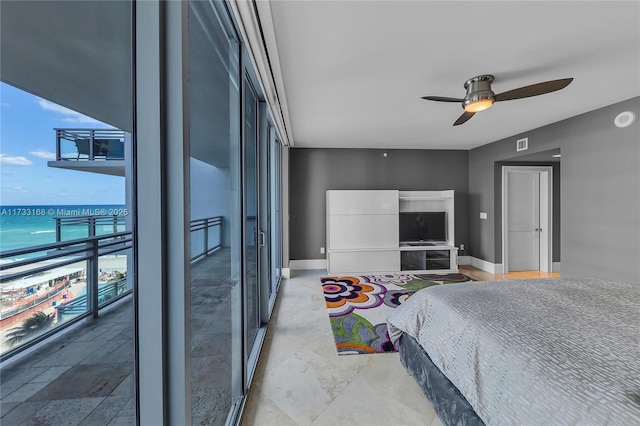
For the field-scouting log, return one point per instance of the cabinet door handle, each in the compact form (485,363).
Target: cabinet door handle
(538,229)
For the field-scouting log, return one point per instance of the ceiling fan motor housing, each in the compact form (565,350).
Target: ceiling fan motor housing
(478,88)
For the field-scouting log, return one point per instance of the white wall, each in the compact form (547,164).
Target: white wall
(210,195)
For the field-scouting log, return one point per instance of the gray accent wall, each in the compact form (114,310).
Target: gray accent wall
(313,171)
(599,197)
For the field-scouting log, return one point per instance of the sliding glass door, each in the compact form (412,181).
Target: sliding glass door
(270,254)
(251,222)
(261,185)
(217,370)
(275,222)
(234,215)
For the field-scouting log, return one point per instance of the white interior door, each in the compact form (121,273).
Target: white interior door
(524,221)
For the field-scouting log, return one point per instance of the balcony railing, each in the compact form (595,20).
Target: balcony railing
(106,293)
(206,236)
(89,144)
(95,225)
(61,283)
(48,287)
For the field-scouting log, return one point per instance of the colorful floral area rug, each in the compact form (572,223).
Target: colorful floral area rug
(358,307)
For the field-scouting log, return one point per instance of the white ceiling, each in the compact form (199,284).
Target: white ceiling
(354,71)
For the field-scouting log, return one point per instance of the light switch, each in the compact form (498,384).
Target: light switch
(483,215)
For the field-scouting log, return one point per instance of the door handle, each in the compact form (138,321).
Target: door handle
(538,229)
(261,239)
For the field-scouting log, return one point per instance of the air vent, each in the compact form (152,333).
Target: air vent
(522,144)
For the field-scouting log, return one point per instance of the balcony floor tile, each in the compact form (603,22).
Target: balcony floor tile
(108,409)
(21,412)
(86,381)
(57,412)
(86,375)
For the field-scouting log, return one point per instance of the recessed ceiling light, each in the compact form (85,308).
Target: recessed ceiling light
(625,119)
(557,156)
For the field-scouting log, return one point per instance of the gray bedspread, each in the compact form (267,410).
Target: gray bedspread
(534,352)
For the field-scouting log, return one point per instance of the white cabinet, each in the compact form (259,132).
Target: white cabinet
(355,231)
(362,202)
(363,229)
(363,261)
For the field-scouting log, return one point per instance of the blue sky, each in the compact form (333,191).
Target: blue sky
(28,141)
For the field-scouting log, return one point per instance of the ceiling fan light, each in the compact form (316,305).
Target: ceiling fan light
(479,105)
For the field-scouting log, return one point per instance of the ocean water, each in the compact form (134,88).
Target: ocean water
(27,226)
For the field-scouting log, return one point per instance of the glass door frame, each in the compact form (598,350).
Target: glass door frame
(249,352)
(266,298)
(274,176)
(163,383)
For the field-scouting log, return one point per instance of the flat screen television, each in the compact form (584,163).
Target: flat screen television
(416,227)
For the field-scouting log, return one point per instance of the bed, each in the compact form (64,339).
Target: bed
(530,351)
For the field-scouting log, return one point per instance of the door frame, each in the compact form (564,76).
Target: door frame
(546,214)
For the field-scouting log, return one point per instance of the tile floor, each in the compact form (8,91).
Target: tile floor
(86,376)
(301,380)
(211,338)
(83,378)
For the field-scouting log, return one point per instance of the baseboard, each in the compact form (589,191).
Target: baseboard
(301,264)
(286,273)
(492,268)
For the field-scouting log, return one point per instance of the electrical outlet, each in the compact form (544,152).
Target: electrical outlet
(321,250)
(461,247)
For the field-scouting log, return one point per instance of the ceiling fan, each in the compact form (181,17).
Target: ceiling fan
(480,96)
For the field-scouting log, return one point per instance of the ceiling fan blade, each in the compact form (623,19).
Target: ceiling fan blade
(464,118)
(533,90)
(442,99)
